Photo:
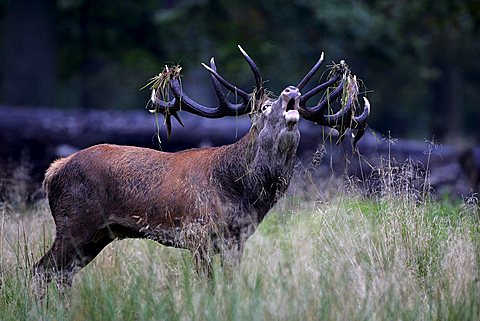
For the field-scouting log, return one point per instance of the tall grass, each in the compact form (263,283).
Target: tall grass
(345,258)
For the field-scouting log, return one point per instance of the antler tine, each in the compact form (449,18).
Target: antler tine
(316,113)
(311,73)
(361,121)
(216,84)
(339,72)
(366,111)
(226,84)
(223,102)
(319,88)
(256,73)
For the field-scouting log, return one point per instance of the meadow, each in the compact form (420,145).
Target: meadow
(335,256)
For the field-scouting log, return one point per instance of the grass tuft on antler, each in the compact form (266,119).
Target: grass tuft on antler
(163,78)
(160,86)
(349,95)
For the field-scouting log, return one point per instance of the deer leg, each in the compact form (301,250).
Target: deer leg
(203,262)
(54,265)
(230,257)
(79,234)
(64,259)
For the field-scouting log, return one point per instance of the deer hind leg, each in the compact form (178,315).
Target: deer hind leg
(64,259)
(79,237)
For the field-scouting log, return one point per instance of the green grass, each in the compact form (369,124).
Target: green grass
(346,258)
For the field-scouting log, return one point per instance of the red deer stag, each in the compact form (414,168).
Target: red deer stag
(206,200)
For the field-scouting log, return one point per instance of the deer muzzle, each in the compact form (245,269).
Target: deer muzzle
(290,100)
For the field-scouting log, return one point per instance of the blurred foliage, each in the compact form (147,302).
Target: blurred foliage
(416,58)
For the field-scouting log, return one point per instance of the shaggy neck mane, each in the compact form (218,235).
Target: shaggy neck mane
(250,177)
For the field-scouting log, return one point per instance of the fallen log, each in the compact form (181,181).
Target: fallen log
(39,135)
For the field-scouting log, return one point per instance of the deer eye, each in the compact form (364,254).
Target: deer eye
(266,106)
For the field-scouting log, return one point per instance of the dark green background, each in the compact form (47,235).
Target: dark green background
(419,60)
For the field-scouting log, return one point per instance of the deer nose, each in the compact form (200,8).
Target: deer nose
(291,92)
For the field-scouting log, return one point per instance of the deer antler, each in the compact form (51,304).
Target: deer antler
(345,117)
(181,101)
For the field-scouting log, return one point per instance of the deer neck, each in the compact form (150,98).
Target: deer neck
(255,172)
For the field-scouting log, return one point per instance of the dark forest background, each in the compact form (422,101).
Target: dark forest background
(418,59)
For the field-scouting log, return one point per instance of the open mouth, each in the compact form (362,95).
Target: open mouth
(290,96)
(291,114)
(291,105)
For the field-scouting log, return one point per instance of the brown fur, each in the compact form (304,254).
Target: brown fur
(53,170)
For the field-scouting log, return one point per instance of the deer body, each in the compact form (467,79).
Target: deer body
(206,200)
(138,192)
